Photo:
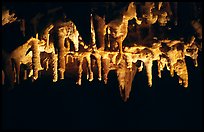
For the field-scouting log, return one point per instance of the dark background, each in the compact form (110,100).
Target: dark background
(64,105)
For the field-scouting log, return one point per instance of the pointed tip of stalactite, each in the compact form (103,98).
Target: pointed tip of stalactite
(105,81)
(78,83)
(61,78)
(30,73)
(196,63)
(172,73)
(159,74)
(185,86)
(123,96)
(54,80)
(99,78)
(87,76)
(33,79)
(90,79)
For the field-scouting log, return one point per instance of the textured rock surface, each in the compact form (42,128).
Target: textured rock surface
(66,54)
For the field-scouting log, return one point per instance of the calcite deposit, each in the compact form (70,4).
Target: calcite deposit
(107,50)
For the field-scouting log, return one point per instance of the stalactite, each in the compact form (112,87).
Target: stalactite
(54,58)
(80,69)
(107,38)
(174,54)
(61,56)
(90,72)
(93,35)
(121,74)
(129,60)
(130,74)
(72,59)
(147,57)
(105,67)
(113,57)
(71,32)
(148,66)
(161,64)
(139,69)
(98,61)
(47,30)
(80,59)
(46,64)
(159,5)
(100,31)
(67,45)
(66,59)
(31,73)
(125,77)
(181,70)
(36,59)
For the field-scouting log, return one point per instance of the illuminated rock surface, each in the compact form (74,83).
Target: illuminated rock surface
(58,59)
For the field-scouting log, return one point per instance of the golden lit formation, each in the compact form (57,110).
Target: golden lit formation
(107,49)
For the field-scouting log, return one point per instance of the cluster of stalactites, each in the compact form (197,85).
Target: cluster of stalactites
(167,53)
(45,56)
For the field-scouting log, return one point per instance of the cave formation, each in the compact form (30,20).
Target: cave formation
(126,38)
